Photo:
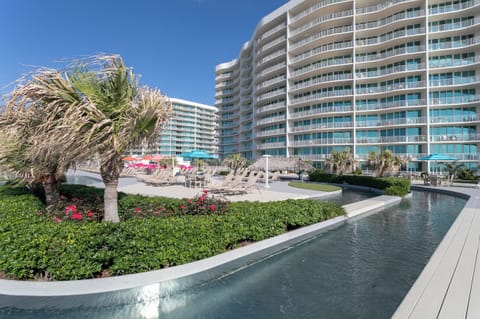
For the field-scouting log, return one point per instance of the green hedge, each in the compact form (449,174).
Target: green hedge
(35,247)
(391,185)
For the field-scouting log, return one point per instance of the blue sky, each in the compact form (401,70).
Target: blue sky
(174,44)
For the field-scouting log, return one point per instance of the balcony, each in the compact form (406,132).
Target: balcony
(272,31)
(390,53)
(392,87)
(454,119)
(270,145)
(271,107)
(451,7)
(323,110)
(391,104)
(272,119)
(272,44)
(275,80)
(454,26)
(322,141)
(390,70)
(321,34)
(322,64)
(320,95)
(272,94)
(323,48)
(379,7)
(281,52)
(455,138)
(278,66)
(323,79)
(447,63)
(454,44)
(391,19)
(390,122)
(322,19)
(455,100)
(317,6)
(392,139)
(321,126)
(390,36)
(270,132)
(455,81)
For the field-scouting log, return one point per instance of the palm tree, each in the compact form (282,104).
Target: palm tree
(235,162)
(452,168)
(99,111)
(340,162)
(384,162)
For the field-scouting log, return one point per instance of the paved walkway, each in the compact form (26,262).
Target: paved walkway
(277,190)
(449,285)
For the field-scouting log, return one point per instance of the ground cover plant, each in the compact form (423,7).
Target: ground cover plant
(68,243)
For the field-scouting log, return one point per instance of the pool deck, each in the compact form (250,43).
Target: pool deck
(449,285)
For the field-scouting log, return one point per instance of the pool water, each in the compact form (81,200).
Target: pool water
(362,270)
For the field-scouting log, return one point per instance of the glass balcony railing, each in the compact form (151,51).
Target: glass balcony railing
(319,126)
(322,19)
(454,119)
(322,141)
(390,53)
(451,7)
(323,110)
(320,95)
(392,87)
(391,19)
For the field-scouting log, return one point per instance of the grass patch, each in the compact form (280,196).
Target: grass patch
(315,187)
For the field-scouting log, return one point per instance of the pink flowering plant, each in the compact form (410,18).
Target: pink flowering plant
(204,204)
(75,209)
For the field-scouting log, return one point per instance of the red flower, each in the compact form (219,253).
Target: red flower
(71,209)
(77,216)
(212,207)
(137,210)
(39,213)
(57,220)
(74,199)
(90,214)
(182,206)
(190,201)
(205,191)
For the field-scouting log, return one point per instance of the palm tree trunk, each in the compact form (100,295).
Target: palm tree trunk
(51,187)
(110,172)
(110,200)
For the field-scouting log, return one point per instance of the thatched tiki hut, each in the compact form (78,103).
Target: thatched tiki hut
(291,164)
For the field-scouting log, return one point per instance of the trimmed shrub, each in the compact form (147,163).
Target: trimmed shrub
(396,186)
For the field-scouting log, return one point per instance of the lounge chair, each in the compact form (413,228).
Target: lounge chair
(230,181)
(245,188)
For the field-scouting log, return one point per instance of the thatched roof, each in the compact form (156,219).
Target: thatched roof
(282,164)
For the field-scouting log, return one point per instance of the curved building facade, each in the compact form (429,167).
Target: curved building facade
(319,76)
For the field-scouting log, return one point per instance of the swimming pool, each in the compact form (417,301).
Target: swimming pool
(362,269)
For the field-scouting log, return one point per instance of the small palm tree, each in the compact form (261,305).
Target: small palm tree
(384,162)
(235,162)
(96,109)
(452,168)
(340,162)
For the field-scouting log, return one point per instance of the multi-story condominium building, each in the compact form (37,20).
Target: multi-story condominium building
(366,75)
(192,126)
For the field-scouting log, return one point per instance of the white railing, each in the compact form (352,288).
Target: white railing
(321,34)
(271,119)
(322,64)
(455,100)
(270,132)
(379,6)
(454,118)
(319,126)
(272,31)
(454,44)
(455,137)
(395,35)
(454,25)
(276,79)
(390,70)
(272,56)
(323,48)
(390,53)
(272,68)
(344,109)
(271,107)
(445,63)
(315,7)
(322,141)
(322,19)
(323,79)
(455,81)
(392,87)
(453,7)
(391,139)
(393,18)
(272,44)
(272,94)
(399,121)
(320,95)
(271,145)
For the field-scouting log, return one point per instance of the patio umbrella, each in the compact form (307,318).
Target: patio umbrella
(197,154)
(437,158)
(129,158)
